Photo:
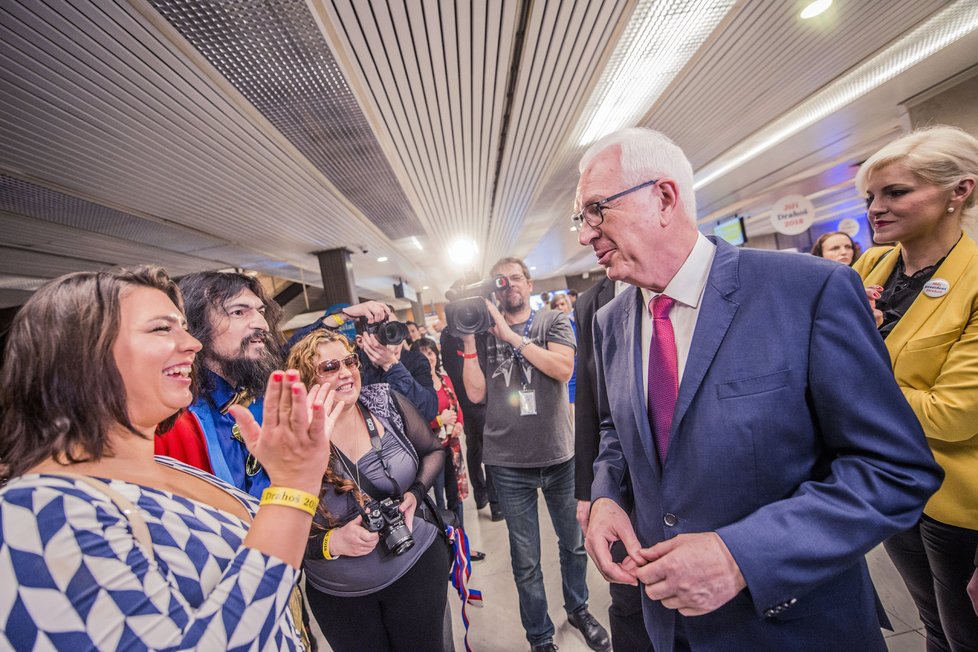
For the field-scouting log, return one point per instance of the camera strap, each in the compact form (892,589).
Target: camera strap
(377,445)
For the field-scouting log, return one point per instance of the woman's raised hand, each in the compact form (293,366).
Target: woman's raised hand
(292,442)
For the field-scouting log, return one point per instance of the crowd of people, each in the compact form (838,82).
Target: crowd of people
(171,464)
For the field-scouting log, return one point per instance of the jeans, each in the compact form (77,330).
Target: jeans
(936,560)
(516,489)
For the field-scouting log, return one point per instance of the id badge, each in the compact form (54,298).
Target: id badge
(528,402)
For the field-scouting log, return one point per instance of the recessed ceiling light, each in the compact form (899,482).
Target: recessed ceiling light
(533,268)
(815,8)
(462,251)
(382,259)
(425,287)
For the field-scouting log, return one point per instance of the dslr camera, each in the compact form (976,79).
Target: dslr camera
(385,518)
(466,312)
(387,332)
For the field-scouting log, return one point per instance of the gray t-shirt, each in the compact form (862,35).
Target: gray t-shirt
(527,441)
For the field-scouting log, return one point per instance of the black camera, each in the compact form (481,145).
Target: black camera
(387,332)
(466,312)
(385,518)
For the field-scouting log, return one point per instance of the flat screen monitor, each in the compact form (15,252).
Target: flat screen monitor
(732,231)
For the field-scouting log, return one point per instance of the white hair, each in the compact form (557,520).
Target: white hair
(644,155)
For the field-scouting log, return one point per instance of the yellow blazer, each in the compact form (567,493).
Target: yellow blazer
(934,352)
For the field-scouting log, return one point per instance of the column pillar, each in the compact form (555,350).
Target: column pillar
(339,285)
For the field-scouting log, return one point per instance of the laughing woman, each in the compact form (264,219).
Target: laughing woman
(919,189)
(103,546)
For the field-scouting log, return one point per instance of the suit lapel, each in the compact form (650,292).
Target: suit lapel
(923,307)
(716,314)
(632,333)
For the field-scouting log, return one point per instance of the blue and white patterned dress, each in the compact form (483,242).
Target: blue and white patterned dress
(72,577)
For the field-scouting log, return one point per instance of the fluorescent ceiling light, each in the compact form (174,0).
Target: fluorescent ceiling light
(945,27)
(815,8)
(382,259)
(657,42)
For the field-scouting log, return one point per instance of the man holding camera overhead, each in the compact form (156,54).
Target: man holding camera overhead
(529,446)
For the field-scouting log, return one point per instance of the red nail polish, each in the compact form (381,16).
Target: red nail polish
(278,376)
(296,389)
(316,407)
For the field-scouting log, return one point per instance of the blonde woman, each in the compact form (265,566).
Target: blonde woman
(919,190)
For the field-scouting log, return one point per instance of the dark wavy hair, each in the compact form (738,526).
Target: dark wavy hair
(425,343)
(61,392)
(205,294)
(817,247)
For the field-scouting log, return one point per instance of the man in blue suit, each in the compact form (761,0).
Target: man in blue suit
(764,449)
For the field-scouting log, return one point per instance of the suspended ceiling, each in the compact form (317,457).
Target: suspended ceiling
(252,134)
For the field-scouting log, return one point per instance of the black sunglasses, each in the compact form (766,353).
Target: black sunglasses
(326,367)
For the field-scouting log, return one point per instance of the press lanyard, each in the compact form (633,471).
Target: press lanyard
(519,356)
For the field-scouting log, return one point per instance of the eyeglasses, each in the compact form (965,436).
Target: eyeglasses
(593,213)
(327,367)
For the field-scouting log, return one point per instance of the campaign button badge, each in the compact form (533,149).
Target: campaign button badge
(936,287)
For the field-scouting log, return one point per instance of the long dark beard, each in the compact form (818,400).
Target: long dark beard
(251,374)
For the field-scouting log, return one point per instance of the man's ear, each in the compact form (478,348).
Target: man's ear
(668,201)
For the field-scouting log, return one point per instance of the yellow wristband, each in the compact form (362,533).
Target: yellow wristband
(286,497)
(326,553)
(339,320)
(438,420)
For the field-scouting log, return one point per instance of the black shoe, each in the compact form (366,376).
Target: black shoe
(475,555)
(496,516)
(481,502)
(544,647)
(595,635)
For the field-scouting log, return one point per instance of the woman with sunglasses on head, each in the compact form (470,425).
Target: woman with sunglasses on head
(104,546)
(368,589)
(919,189)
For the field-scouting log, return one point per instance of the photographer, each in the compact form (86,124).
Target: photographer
(376,574)
(407,372)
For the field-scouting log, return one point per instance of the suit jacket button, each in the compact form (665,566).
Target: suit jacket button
(670,519)
(769,613)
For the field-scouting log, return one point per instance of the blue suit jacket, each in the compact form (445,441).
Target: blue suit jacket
(790,439)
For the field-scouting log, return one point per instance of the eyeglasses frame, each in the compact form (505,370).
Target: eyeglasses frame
(579,217)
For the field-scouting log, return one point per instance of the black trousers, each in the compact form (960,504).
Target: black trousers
(628,631)
(407,616)
(936,560)
(479,479)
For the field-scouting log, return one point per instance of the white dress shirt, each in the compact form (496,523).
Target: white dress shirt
(686,287)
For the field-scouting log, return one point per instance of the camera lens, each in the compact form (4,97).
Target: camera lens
(392,332)
(468,316)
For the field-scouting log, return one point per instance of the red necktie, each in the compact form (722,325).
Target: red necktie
(663,373)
